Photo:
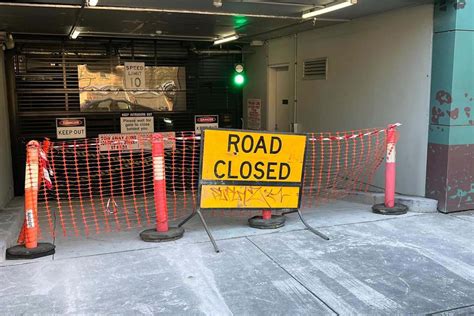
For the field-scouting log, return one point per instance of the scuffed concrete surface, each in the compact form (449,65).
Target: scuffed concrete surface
(11,218)
(411,264)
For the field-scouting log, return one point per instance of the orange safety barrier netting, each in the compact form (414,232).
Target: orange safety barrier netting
(103,186)
(341,162)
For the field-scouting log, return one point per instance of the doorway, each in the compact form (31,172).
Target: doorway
(279,111)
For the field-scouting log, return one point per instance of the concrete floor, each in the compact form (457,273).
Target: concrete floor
(411,264)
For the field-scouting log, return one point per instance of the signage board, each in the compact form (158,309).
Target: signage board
(134,75)
(205,121)
(136,141)
(137,123)
(71,128)
(251,170)
(254,114)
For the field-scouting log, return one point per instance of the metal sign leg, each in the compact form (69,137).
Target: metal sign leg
(203,221)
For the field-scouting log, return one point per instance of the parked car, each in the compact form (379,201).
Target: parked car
(111,105)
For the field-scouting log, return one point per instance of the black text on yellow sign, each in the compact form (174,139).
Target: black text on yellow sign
(259,159)
(248,156)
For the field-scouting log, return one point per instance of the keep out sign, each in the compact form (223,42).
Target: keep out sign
(251,170)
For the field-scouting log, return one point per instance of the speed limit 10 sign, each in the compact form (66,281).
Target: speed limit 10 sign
(134,75)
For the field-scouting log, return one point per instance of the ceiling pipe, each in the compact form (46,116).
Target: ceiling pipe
(220,52)
(135,9)
(73,33)
(248,36)
(132,9)
(40,5)
(290,4)
(148,36)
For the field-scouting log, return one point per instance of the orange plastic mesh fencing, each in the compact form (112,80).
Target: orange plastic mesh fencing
(341,162)
(107,185)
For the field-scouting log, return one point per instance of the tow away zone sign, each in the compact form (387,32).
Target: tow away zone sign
(251,170)
(133,142)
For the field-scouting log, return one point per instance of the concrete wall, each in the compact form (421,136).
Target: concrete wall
(379,73)
(6,176)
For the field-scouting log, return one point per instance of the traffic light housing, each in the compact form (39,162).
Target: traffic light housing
(238,77)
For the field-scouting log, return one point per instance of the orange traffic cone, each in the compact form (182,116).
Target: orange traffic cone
(29,247)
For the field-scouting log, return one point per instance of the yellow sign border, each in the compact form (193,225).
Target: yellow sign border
(272,184)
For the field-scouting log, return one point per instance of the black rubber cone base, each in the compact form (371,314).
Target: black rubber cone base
(151,235)
(275,222)
(398,209)
(21,252)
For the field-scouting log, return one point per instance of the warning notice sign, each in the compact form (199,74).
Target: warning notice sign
(205,121)
(136,123)
(70,128)
(132,142)
(251,170)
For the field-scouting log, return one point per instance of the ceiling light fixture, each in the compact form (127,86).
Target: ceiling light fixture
(226,39)
(92,3)
(338,6)
(75,34)
(217,3)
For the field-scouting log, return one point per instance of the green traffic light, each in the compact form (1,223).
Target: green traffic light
(239,79)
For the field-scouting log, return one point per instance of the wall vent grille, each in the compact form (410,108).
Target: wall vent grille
(315,69)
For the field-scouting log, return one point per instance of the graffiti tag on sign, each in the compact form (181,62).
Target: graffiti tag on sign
(251,170)
(236,197)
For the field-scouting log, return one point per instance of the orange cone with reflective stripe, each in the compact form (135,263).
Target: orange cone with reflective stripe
(28,239)
(31,195)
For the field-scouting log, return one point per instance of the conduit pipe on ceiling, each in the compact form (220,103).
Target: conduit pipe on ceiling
(135,9)
(221,52)
(296,128)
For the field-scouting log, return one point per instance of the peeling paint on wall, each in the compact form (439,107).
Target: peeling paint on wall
(450,172)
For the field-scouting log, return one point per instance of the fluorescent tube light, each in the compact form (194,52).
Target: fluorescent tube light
(331,8)
(75,34)
(226,39)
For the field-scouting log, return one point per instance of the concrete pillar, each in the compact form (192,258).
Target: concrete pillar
(6,175)
(450,174)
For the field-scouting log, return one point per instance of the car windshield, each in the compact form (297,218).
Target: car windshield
(122,106)
(104,105)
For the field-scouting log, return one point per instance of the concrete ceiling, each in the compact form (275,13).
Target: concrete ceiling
(181,19)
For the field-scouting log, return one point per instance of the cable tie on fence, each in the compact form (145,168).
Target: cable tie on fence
(107,210)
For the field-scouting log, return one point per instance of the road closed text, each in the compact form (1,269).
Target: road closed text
(247,156)
(259,170)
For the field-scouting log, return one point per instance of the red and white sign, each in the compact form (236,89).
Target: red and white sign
(205,121)
(137,141)
(254,114)
(70,128)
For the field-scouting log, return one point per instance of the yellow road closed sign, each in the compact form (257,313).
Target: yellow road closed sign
(251,170)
